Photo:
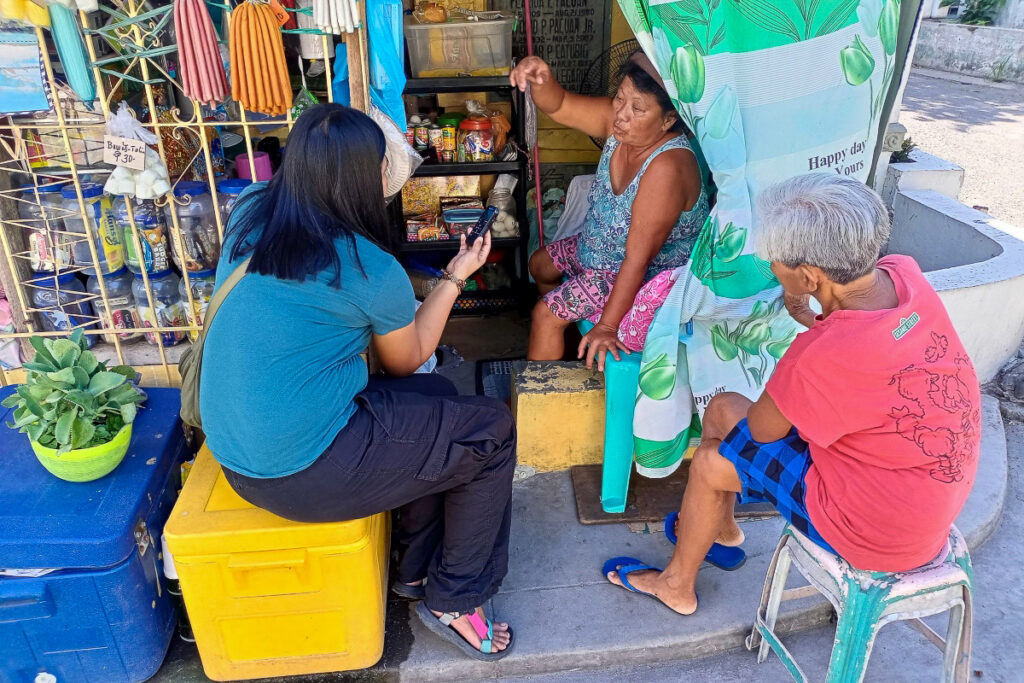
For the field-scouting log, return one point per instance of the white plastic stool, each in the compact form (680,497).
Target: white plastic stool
(866,601)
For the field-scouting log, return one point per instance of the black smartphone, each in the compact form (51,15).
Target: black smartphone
(483,224)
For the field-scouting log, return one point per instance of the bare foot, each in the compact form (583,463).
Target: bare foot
(500,635)
(415,583)
(732,537)
(651,581)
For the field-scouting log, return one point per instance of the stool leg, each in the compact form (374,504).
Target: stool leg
(855,634)
(771,614)
(962,662)
(620,384)
(951,651)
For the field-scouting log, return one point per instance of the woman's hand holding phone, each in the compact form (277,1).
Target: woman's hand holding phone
(470,257)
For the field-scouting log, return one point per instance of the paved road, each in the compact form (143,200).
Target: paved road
(901,655)
(978,125)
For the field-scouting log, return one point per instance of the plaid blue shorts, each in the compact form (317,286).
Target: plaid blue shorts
(773,473)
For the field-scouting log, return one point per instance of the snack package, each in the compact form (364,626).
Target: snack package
(423,195)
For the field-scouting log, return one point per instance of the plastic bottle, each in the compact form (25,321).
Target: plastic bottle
(63,304)
(109,249)
(49,247)
(152,228)
(202,291)
(227,194)
(167,310)
(121,314)
(198,227)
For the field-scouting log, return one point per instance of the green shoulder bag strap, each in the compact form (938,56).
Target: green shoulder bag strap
(190,366)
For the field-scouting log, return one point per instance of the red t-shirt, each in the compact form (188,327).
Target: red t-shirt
(890,405)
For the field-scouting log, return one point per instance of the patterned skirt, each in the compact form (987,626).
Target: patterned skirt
(585,292)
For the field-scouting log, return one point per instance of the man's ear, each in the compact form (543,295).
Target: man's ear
(811,277)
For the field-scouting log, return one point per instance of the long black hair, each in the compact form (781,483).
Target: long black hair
(643,82)
(328,186)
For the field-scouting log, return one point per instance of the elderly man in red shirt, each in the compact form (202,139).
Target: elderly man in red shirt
(867,436)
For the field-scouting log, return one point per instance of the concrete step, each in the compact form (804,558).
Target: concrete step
(559,411)
(568,618)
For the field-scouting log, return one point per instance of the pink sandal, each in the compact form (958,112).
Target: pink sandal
(442,626)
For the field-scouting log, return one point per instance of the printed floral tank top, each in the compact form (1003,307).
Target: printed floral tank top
(602,244)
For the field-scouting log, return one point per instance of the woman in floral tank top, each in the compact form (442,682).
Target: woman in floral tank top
(647,206)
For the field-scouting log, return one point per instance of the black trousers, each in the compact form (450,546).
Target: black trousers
(444,462)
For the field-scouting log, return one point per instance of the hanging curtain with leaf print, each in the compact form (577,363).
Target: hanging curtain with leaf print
(771,89)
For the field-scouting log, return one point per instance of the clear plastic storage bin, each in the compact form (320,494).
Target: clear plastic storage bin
(460,48)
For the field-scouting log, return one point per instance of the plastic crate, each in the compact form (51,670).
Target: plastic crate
(460,48)
(270,597)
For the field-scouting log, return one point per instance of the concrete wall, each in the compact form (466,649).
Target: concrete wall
(1011,15)
(975,263)
(970,50)
(923,172)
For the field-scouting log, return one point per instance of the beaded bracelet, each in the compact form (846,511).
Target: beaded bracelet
(446,275)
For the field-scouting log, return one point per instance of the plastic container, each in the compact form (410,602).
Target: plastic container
(63,304)
(152,229)
(98,614)
(506,225)
(453,119)
(264,170)
(458,221)
(476,141)
(49,247)
(167,310)
(99,213)
(460,48)
(227,194)
(197,224)
(202,284)
(269,597)
(121,314)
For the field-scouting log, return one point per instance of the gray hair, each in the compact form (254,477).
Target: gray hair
(822,219)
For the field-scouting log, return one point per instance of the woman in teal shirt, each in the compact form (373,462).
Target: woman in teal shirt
(287,405)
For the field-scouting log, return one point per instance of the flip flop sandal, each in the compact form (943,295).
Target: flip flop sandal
(726,557)
(442,626)
(408,592)
(624,566)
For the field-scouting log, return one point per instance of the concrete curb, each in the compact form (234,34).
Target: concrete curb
(579,622)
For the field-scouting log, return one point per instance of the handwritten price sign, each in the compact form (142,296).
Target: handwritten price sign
(124,152)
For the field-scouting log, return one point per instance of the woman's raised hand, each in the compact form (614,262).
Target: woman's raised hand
(470,257)
(530,70)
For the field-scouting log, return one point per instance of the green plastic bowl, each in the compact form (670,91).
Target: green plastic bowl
(86,464)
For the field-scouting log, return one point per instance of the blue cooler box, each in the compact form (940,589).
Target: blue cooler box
(98,614)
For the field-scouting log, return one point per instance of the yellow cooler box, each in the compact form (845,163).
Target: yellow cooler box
(269,597)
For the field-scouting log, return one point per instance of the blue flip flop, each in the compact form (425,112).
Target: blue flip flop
(624,566)
(725,557)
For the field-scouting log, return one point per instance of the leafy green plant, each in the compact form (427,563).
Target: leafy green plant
(902,155)
(1000,68)
(976,12)
(70,400)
